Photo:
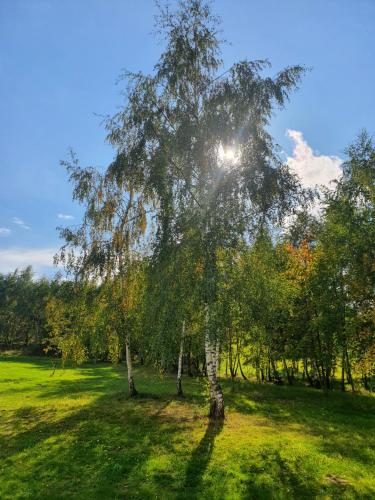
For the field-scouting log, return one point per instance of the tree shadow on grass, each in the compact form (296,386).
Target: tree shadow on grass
(342,423)
(271,476)
(115,447)
(199,461)
(99,451)
(104,445)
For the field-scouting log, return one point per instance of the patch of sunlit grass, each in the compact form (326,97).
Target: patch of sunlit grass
(76,434)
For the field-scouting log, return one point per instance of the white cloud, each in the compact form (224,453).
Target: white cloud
(20,223)
(4,231)
(65,216)
(312,169)
(38,258)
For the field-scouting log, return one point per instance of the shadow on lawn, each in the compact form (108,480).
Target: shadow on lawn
(100,451)
(104,449)
(287,482)
(200,459)
(344,421)
(96,382)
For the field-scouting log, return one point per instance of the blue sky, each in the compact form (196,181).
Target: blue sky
(59,61)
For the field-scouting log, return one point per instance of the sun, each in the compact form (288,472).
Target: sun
(228,155)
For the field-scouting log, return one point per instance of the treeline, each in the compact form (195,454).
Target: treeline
(22,310)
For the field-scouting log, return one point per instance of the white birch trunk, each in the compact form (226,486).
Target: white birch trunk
(216,394)
(132,389)
(180,357)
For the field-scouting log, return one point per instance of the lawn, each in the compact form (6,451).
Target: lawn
(76,434)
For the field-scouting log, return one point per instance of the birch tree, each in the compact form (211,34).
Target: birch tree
(194,135)
(104,247)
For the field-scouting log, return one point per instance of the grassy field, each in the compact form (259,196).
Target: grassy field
(77,435)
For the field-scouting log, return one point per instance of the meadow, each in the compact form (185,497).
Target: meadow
(74,433)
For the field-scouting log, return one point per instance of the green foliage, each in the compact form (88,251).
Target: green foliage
(22,309)
(183,227)
(70,321)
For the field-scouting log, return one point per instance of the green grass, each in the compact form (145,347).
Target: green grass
(76,435)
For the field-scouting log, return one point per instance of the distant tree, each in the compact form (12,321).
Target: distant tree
(22,307)
(347,240)
(70,318)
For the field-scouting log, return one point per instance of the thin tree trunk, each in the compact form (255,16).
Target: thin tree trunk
(295,367)
(216,393)
(242,373)
(179,371)
(328,377)
(235,366)
(194,366)
(217,358)
(276,376)
(317,377)
(307,373)
(287,372)
(230,356)
(343,371)
(257,371)
(231,370)
(365,382)
(132,390)
(349,371)
(190,373)
(269,376)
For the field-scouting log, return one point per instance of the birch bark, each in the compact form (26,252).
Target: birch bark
(132,390)
(216,393)
(180,357)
